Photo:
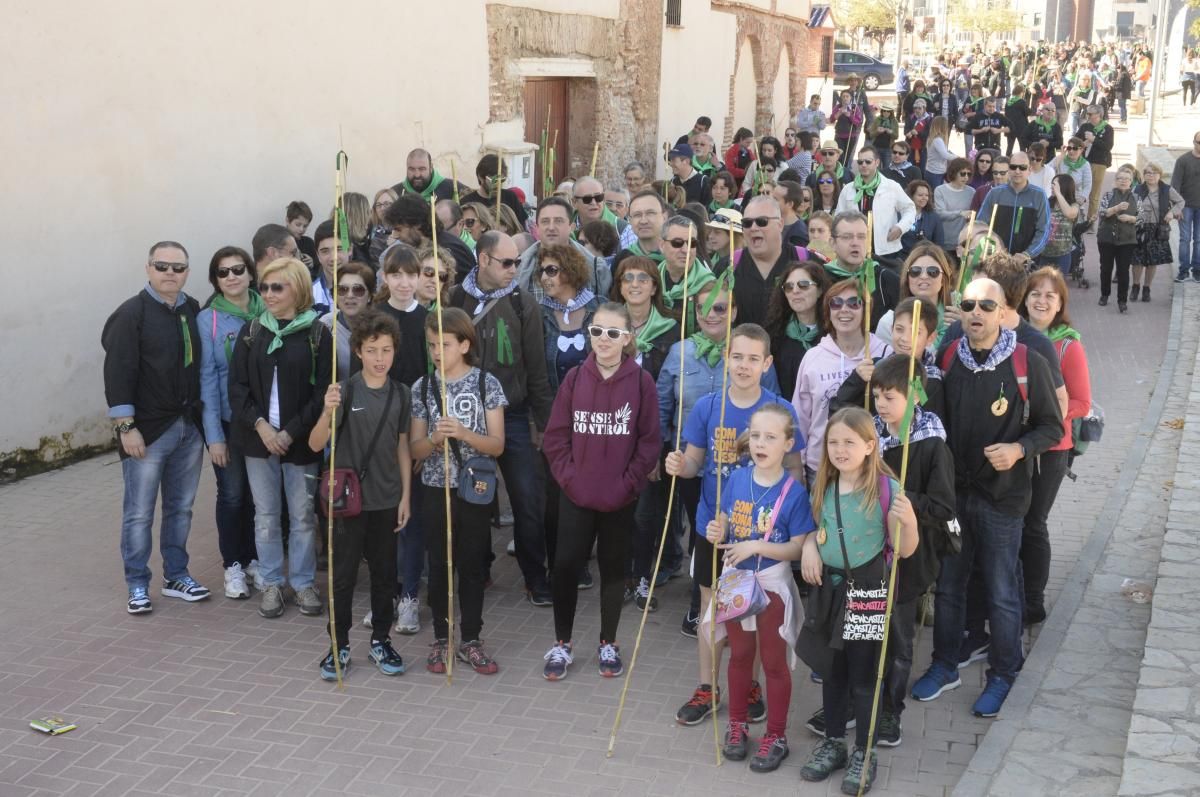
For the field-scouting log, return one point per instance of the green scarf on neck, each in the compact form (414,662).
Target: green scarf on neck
(1098,128)
(865,275)
(1046,127)
(699,276)
(1076,164)
(253,309)
(822,170)
(1012,101)
(637,249)
(803,333)
(468,239)
(714,206)
(435,180)
(703,168)
(656,324)
(1061,332)
(862,189)
(301,322)
(708,349)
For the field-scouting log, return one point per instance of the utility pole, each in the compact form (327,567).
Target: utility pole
(1160,67)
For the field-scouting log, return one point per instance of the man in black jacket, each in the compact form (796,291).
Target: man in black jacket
(1097,133)
(152,386)
(998,420)
(410,221)
(696,186)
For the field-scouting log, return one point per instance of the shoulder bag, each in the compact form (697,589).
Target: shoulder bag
(347,482)
(739,594)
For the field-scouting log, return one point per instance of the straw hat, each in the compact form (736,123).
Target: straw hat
(726,219)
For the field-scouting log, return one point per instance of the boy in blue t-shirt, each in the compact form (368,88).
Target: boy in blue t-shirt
(709,446)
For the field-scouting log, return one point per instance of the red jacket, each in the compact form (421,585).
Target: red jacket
(603,439)
(732,155)
(1073,360)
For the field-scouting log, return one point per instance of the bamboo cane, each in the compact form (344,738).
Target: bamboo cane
(454,179)
(967,264)
(595,155)
(867,263)
(340,161)
(499,183)
(437,303)
(891,595)
(612,738)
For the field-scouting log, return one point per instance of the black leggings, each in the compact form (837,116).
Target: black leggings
(1048,474)
(371,533)
(1119,255)
(853,670)
(472,541)
(579,529)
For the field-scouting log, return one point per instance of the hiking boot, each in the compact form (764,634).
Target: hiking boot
(737,741)
(585,579)
(472,653)
(992,698)
(436,661)
(855,774)
(936,680)
(186,589)
(887,733)
(973,649)
(408,616)
(642,596)
(309,601)
(771,752)
(271,604)
(610,660)
(826,758)
(756,709)
(816,723)
(139,601)
(1145,293)
(254,573)
(386,658)
(235,582)
(690,621)
(700,706)
(328,671)
(558,658)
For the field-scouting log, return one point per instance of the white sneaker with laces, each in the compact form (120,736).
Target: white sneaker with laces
(408,620)
(252,572)
(235,582)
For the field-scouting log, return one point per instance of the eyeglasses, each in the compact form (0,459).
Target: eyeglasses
(1033,159)
(161,267)
(677,243)
(757,221)
(1019,167)
(223,272)
(507,262)
(273,287)
(591,199)
(986,305)
(382,205)
(630,277)
(851,302)
(1000,172)
(612,333)
(429,273)
(929,271)
(798,285)
(549,271)
(865,161)
(357,289)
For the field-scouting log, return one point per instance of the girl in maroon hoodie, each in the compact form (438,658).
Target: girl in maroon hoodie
(602,442)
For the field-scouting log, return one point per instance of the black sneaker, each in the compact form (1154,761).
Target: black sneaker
(328,672)
(642,596)
(887,733)
(816,723)
(386,658)
(1104,301)
(610,660)
(771,752)
(826,758)
(1145,294)
(585,578)
(185,588)
(700,706)
(855,773)
(737,741)
(757,710)
(1182,276)
(139,600)
(540,596)
(690,621)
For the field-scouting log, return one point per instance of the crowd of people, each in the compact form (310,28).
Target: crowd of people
(740,333)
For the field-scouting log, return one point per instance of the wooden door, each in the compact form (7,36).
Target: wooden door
(546,113)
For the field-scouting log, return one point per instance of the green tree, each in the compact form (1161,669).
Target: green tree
(988,21)
(874,20)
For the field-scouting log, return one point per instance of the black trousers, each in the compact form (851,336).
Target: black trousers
(372,534)
(850,684)
(578,530)
(472,540)
(1119,256)
(900,655)
(1048,474)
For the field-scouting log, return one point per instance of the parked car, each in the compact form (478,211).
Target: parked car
(874,73)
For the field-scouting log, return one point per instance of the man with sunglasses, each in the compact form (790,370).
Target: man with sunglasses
(892,210)
(1044,128)
(1097,135)
(899,167)
(763,261)
(554,226)
(491,175)
(508,321)
(1185,178)
(994,429)
(1022,210)
(588,194)
(696,186)
(152,386)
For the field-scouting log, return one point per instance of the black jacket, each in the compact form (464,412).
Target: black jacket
(144,356)
(853,391)
(697,188)
(903,177)
(1100,153)
(303,376)
(464,258)
(930,487)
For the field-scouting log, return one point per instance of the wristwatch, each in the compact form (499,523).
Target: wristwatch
(123,427)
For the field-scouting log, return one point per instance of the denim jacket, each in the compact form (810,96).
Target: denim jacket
(699,380)
(216,330)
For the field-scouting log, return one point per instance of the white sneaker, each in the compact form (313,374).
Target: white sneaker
(408,616)
(235,582)
(255,576)
(511,550)
(367,620)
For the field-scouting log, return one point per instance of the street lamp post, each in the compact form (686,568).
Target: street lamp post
(1160,67)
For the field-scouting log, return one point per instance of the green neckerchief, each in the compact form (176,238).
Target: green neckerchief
(1046,127)
(255,308)
(821,170)
(713,206)
(468,239)
(605,215)
(703,168)
(708,349)
(435,180)
(865,275)
(804,334)
(187,341)
(656,324)
(298,324)
(699,276)
(862,189)
(1074,165)
(1062,332)
(1012,101)
(636,249)
(1098,129)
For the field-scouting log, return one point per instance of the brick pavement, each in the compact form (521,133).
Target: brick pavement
(211,699)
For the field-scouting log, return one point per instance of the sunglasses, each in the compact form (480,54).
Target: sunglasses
(865,161)
(899,152)
(798,285)
(852,302)
(830,153)
(549,271)
(1036,160)
(986,305)
(822,181)
(676,243)
(612,333)
(162,267)
(929,271)
(469,223)
(429,273)
(984,161)
(758,221)
(591,199)
(225,271)
(630,277)
(965,173)
(1018,167)
(1074,148)
(718,309)
(273,287)
(357,289)
(507,262)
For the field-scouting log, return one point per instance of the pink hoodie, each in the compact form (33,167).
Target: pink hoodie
(822,372)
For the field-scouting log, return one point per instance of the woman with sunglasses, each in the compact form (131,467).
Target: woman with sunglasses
(1071,162)
(1041,173)
(945,103)
(434,278)
(982,173)
(355,289)
(928,276)
(952,200)
(826,197)
(234,303)
(602,442)
(927,225)
(794,320)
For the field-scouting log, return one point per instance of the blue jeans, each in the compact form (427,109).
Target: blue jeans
(172,464)
(1189,241)
(235,510)
(410,548)
(994,540)
(1124,111)
(299,484)
(527,495)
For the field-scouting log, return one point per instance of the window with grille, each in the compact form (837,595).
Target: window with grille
(675,13)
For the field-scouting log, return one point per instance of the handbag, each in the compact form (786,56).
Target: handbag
(739,594)
(477,476)
(866,605)
(347,482)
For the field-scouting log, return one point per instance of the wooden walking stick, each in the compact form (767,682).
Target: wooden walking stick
(906,432)
(662,543)
(453,179)
(867,282)
(968,264)
(341,161)
(595,155)
(437,303)
(499,186)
